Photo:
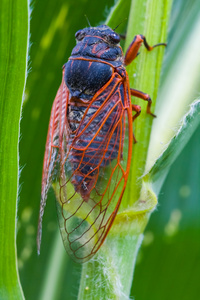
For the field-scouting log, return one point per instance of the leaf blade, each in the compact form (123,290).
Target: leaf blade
(13,53)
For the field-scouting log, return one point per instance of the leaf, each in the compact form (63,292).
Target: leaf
(144,74)
(13,54)
(187,127)
(178,90)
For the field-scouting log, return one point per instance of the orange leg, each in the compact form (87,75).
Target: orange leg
(130,55)
(145,97)
(134,47)
(137,110)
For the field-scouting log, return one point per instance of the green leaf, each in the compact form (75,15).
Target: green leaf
(149,18)
(180,85)
(13,55)
(187,127)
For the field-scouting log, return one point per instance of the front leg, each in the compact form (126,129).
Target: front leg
(134,47)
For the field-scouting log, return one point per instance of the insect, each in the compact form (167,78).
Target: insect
(89,142)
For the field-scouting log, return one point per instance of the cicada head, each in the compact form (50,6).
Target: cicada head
(103,32)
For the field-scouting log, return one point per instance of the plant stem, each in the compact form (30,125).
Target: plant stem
(150,18)
(105,276)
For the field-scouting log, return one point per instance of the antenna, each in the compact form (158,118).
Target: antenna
(120,23)
(88,20)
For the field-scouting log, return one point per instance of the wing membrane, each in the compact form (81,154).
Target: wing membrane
(51,165)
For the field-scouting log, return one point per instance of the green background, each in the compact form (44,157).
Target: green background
(168,265)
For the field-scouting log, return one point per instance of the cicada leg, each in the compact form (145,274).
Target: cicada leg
(145,97)
(134,47)
(137,110)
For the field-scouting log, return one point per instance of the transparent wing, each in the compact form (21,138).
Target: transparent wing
(51,165)
(94,170)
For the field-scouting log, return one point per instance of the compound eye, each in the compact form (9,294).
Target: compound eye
(79,34)
(114,37)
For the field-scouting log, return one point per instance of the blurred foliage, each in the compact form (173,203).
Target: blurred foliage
(169,258)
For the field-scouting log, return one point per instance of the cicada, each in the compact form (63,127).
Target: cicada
(89,142)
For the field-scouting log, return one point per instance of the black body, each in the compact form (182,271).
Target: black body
(101,44)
